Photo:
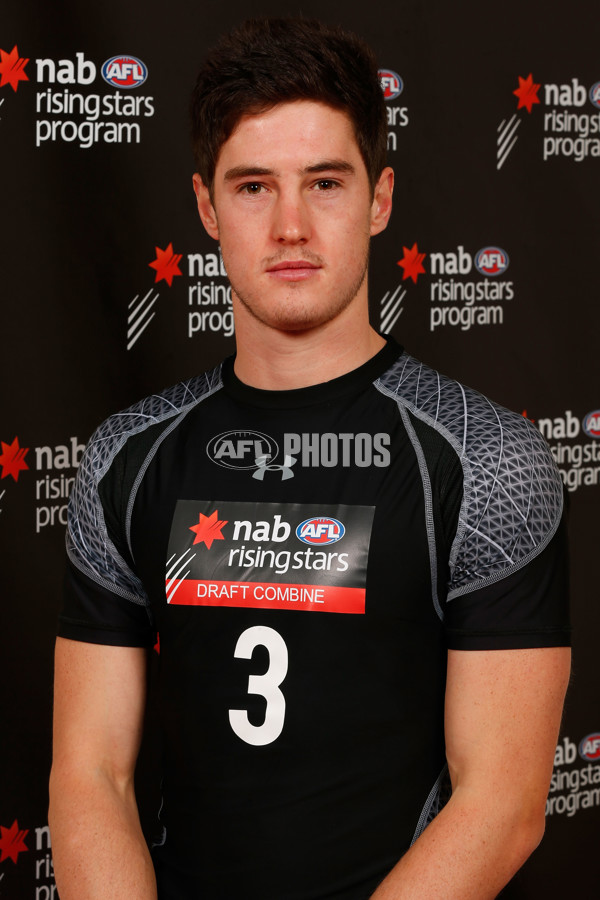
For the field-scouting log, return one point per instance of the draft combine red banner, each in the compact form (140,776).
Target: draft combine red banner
(261,595)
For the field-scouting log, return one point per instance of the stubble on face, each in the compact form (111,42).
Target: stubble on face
(297,310)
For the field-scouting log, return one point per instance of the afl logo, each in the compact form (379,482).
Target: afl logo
(391,84)
(124,71)
(591,424)
(320,530)
(595,94)
(241,449)
(491,261)
(589,748)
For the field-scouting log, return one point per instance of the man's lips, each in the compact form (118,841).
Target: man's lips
(293,269)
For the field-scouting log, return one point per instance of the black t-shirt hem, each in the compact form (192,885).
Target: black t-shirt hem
(508,640)
(82,631)
(75,630)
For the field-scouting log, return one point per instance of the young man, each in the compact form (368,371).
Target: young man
(355,565)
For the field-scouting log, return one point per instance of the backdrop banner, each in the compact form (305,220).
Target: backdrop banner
(111,290)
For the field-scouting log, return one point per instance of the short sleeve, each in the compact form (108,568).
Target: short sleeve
(509,561)
(507,565)
(105,600)
(96,615)
(90,547)
(526,608)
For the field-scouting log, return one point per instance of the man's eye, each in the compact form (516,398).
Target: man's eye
(252,187)
(326,184)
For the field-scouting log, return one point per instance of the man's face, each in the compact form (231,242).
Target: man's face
(293,211)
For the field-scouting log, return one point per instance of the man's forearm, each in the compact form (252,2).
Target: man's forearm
(97,842)
(468,852)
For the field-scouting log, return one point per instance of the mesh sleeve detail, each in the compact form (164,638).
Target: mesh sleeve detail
(89,546)
(437,799)
(513,494)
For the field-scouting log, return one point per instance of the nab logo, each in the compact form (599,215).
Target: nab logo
(124,71)
(491,261)
(320,531)
(241,449)
(12,459)
(591,424)
(589,747)
(595,94)
(391,84)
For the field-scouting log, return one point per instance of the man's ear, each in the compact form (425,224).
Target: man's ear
(381,208)
(206,208)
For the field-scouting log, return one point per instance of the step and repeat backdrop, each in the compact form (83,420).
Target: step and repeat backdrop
(111,290)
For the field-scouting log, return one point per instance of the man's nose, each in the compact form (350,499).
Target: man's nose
(291,219)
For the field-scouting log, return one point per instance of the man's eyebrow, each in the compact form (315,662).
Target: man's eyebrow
(332,165)
(246,172)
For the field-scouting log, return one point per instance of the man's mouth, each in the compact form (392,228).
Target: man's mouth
(293,269)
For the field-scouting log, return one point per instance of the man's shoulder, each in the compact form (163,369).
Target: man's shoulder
(130,434)
(473,423)
(512,490)
(114,457)
(161,406)
(152,413)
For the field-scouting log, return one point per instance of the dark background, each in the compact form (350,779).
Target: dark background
(79,228)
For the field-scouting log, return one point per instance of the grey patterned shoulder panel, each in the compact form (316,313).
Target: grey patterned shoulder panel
(513,492)
(88,545)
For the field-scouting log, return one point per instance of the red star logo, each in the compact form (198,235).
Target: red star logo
(12,459)
(12,68)
(527,92)
(525,416)
(412,263)
(12,842)
(166,264)
(208,529)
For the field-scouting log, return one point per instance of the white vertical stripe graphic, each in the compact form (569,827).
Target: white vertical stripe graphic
(391,308)
(507,138)
(138,319)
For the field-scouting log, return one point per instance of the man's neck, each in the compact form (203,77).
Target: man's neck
(285,360)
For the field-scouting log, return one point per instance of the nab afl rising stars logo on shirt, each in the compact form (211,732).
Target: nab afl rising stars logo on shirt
(269,555)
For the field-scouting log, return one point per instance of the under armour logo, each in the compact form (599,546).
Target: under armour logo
(263,466)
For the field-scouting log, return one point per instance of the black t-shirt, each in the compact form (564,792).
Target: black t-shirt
(307,558)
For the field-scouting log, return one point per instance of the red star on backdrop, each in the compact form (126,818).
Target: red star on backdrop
(12,68)
(525,416)
(527,92)
(12,459)
(412,263)
(166,264)
(208,529)
(12,841)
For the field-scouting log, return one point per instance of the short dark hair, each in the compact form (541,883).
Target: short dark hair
(265,62)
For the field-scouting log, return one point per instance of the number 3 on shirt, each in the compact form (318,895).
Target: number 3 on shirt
(266,686)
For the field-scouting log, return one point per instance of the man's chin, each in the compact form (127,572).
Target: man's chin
(288,317)
(295,314)
(301,322)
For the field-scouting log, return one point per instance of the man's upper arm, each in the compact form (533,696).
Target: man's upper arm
(503,711)
(98,708)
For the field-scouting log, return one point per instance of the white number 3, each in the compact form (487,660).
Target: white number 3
(266,686)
